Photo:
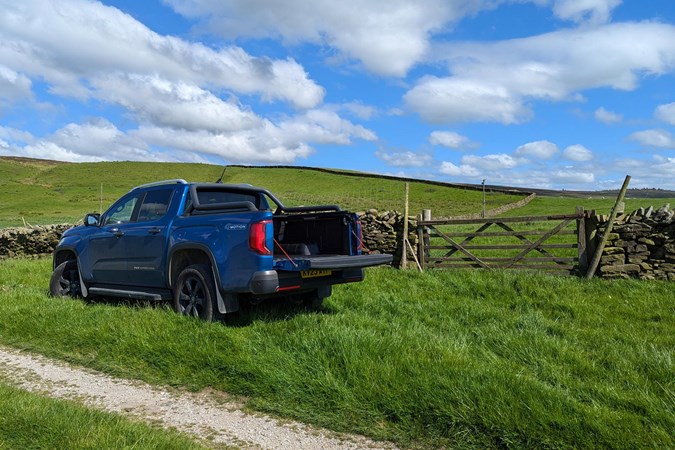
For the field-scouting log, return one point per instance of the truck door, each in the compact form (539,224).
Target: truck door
(107,251)
(145,240)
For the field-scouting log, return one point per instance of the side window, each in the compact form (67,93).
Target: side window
(155,205)
(121,212)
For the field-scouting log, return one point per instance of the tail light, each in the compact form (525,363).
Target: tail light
(257,238)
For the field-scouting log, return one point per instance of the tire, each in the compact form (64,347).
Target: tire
(65,281)
(194,294)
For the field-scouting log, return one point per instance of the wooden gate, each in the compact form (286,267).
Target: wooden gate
(553,243)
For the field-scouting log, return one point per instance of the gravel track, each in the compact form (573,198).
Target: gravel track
(211,417)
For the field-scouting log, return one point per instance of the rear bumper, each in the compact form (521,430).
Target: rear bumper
(279,282)
(264,282)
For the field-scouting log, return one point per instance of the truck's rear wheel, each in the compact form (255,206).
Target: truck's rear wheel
(65,281)
(194,294)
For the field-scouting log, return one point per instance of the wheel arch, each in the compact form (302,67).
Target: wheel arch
(62,255)
(182,256)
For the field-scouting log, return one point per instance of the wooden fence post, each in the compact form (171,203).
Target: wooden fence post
(582,244)
(608,230)
(404,255)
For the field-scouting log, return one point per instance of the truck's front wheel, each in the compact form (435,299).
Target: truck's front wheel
(194,293)
(65,281)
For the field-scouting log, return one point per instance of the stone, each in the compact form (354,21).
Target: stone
(621,268)
(609,260)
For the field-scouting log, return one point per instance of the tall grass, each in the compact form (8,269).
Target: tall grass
(454,358)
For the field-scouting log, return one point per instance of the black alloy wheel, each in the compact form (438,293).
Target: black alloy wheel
(65,281)
(194,293)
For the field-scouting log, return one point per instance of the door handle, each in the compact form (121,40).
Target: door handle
(116,232)
(154,230)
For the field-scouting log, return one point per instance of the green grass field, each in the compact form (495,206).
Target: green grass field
(463,359)
(43,192)
(31,421)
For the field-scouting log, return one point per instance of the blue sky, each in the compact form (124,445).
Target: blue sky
(564,94)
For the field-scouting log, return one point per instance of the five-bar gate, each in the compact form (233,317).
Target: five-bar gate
(554,243)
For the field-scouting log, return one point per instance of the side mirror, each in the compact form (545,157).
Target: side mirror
(91,220)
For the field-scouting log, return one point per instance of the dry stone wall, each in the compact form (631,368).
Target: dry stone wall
(641,245)
(383,233)
(26,241)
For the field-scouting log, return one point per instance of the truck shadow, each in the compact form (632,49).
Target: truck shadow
(271,311)
(266,311)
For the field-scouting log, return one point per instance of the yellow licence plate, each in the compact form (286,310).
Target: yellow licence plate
(314,273)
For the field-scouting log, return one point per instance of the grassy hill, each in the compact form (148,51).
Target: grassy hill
(42,192)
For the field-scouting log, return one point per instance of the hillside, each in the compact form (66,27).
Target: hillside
(42,192)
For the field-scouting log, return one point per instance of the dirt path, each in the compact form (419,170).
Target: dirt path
(210,416)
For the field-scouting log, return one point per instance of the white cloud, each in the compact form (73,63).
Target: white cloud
(654,138)
(13,85)
(456,100)
(97,140)
(450,139)
(387,37)
(666,113)
(69,42)
(360,110)
(263,145)
(464,170)
(15,136)
(491,162)
(283,142)
(571,177)
(538,149)
(578,153)
(173,104)
(493,81)
(607,117)
(655,172)
(404,158)
(588,11)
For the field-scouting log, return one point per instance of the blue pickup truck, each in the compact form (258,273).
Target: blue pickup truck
(208,246)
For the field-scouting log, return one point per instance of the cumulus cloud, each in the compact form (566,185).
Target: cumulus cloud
(282,142)
(654,138)
(404,158)
(450,139)
(491,162)
(360,110)
(585,11)
(538,149)
(96,140)
(572,177)
(69,42)
(657,171)
(578,153)
(13,85)
(666,113)
(463,170)
(387,37)
(173,104)
(607,117)
(494,81)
